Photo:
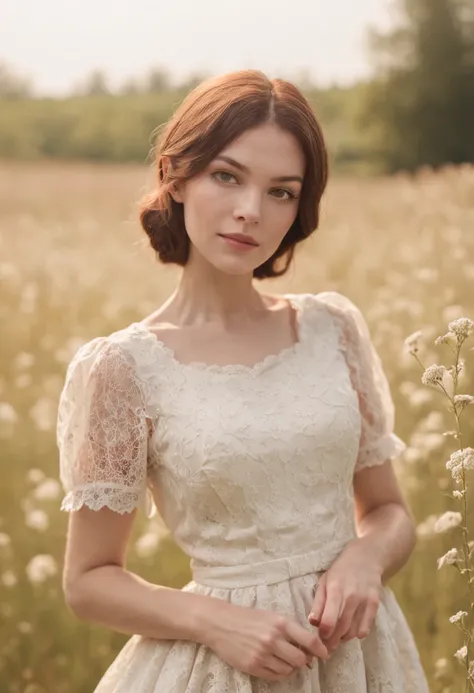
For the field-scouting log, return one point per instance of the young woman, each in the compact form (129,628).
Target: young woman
(261,426)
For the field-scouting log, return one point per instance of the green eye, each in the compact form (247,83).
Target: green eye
(223,173)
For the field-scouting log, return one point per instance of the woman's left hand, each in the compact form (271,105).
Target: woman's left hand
(348,596)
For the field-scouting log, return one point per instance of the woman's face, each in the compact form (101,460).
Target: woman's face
(240,193)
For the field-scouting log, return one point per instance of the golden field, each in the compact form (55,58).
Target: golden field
(74,264)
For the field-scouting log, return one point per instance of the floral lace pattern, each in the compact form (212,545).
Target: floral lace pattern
(251,468)
(102,431)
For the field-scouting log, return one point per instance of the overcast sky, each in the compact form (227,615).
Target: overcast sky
(57,42)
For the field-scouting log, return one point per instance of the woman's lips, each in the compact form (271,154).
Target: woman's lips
(238,243)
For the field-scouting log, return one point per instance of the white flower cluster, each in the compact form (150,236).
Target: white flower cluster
(461,654)
(40,568)
(458,617)
(459,330)
(445,339)
(462,401)
(460,460)
(447,521)
(412,342)
(449,558)
(462,328)
(433,375)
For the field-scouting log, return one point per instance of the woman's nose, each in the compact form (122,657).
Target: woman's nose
(248,208)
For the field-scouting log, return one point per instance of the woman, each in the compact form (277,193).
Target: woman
(261,426)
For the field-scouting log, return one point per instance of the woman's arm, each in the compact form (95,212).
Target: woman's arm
(384,523)
(99,589)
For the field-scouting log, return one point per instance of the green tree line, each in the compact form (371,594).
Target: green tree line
(101,125)
(417,109)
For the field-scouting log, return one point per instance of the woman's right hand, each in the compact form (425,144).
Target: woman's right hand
(260,642)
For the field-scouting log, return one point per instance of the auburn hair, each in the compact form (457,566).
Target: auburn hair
(213,115)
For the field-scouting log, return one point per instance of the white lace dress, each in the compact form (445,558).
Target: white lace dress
(252,470)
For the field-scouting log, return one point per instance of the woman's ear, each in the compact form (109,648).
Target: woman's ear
(175,191)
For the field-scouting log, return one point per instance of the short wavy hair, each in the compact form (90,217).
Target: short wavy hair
(212,116)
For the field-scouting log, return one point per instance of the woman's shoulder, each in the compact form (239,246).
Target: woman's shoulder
(114,352)
(342,312)
(334,301)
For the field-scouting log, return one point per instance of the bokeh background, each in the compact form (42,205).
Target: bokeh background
(83,86)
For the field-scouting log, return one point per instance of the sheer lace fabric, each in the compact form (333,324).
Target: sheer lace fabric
(251,468)
(103,431)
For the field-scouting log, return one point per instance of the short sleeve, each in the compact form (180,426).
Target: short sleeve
(378,442)
(102,432)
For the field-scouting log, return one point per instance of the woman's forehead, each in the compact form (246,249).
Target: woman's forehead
(274,150)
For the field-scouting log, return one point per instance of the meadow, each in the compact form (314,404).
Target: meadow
(74,264)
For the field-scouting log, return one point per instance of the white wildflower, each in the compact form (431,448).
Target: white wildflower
(457,617)
(468,399)
(460,460)
(4,540)
(23,360)
(40,568)
(461,654)
(35,476)
(8,420)
(444,339)
(447,521)
(425,530)
(7,413)
(419,398)
(432,422)
(44,413)
(462,328)
(37,519)
(458,494)
(49,489)
(413,455)
(433,375)
(9,578)
(441,668)
(412,342)
(462,401)
(449,558)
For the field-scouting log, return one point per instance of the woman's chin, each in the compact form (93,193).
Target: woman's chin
(235,266)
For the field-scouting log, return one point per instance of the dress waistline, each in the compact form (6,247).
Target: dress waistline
(266,572)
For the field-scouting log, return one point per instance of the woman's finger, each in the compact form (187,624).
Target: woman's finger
(319,602)
(330,615)
(368,618)
(355,625)
(344,623)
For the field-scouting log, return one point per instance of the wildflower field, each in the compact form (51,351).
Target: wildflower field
(74,264)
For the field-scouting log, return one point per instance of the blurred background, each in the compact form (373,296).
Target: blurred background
(83,87)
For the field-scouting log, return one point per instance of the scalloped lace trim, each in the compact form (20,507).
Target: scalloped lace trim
(116,499)
(234,368)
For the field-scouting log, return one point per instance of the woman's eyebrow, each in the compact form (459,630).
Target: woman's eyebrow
(233,162)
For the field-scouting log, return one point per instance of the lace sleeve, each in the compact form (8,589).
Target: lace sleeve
(102,432)
(378,441)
